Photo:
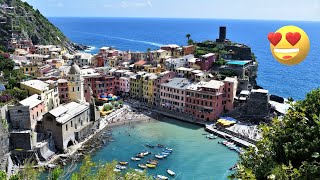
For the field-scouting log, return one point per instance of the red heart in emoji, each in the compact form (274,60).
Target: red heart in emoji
(274,38)
(293,37)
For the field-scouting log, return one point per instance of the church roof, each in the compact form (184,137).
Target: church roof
(75,69)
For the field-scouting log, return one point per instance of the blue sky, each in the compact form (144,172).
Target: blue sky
(308,10)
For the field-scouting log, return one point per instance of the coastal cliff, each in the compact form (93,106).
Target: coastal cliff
(20,20)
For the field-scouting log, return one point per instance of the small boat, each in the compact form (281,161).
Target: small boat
(140,155)
(145,153)
(171,172)
(158,156)
(166,153)
(116,170)
(160,145)
(135,159)
(162,177)
(169,149)
(213,137)
(121,167)
(139,170)
(150,145)
(142,166)
(123,163)
(152,162)
(204,133)
(151,165)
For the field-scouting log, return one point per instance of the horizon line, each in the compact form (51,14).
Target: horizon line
(204,18)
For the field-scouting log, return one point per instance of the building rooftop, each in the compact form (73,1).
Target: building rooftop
(239,63)
(140,63)
(75,69)
(62,81)
(213,84)
(208,55)
(36,84)
(31,101)
(171,46)
(66,112)
(83,56)
(230,79)
(262,91)
(178,83)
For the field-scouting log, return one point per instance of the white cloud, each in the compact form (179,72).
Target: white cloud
(149,3)
(124,4)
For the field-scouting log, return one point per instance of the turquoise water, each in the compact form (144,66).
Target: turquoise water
(194,156)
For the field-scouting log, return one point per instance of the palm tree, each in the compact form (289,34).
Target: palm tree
(188,36)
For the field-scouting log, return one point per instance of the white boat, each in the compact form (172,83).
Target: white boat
(146,153)
(158,156)
(162,177)
(171,172)
(121,167)
(139,170)
(135,159)
(169,149)
(116,170)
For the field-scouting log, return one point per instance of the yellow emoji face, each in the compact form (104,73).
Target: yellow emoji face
(290,45)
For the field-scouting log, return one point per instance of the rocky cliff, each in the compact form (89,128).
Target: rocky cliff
(19,20)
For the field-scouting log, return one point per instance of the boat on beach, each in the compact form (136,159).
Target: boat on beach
(170,172)
(142,166)
(135,159)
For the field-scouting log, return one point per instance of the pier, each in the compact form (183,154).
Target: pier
(236,140)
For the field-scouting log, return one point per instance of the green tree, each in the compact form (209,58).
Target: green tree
(289,148)
(3,175)
(6,63)
(188,36)
(56,174)
(108,107)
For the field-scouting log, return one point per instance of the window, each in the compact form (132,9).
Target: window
(72,89)
(78,89)
(37,113)
(66,127)
(71,123)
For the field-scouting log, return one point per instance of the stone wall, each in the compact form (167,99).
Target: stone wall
(19,117)
(21,140)
(4,141)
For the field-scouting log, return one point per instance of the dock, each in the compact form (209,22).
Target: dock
(236,140)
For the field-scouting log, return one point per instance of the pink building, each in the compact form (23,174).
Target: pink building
(124,88)
(162,78)
(230,91)
(100,84)
(206,61)
(207,100)
(173,94)
(63,90)
(27,113)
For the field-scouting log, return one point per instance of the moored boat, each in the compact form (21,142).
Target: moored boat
(160,145)
(150,145)
(140,155)
(142,166)
(145,153)
(116,170)
(158,156)
(135,159)
(123,163)
(121,167)
(151,165)
(139,170)
(162,177)
(170,172)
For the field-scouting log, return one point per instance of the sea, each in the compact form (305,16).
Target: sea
(194,156)
(139,34)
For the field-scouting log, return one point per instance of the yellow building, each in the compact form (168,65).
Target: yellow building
(147,87)
(160,55)
(49,94)
(31,70)
(136,85)
(155,70)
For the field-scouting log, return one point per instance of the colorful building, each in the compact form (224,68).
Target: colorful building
(49,94)
(173,94)
(206,61)
(63,90)
(75,84)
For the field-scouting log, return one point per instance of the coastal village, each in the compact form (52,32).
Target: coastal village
(73,96)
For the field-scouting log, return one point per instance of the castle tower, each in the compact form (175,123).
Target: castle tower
(222,34)
(75,84)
